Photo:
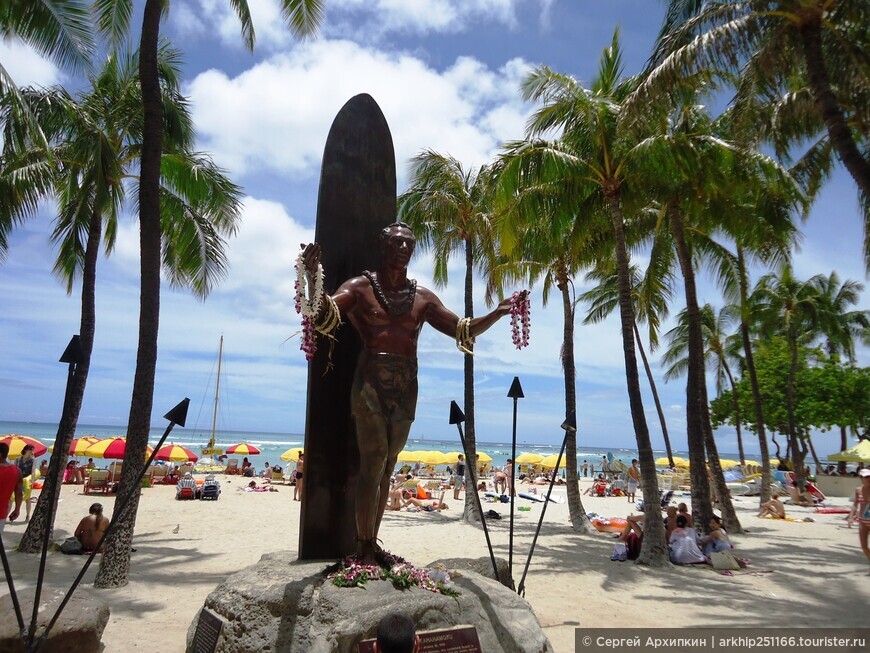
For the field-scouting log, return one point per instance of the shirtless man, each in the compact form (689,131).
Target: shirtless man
(90,529)
(633,481)
(388,310)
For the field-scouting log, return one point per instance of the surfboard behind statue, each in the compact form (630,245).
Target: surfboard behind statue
(357,198)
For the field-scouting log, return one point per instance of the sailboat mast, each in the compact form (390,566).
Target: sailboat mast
(217,389)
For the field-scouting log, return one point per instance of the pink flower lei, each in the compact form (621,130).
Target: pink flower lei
(520,318)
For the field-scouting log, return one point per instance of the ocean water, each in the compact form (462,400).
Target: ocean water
(272,445)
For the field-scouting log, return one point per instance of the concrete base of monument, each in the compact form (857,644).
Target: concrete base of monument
(78,629)
(286,606)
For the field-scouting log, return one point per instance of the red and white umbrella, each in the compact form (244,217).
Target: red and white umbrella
(243,449)
(176,454)
(18,442)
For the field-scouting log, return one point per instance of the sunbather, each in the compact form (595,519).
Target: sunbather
(683,543)
(91,528)
(427,506)
(773,508)
(395,502)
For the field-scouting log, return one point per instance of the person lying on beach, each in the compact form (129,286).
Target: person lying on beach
(252,487)
(773,508)
(634,523)
(427,506)
(91,528)
(717,540)
(683,542)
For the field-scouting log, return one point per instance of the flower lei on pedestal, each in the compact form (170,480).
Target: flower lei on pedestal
(520,318)
(308,308)
(352,573)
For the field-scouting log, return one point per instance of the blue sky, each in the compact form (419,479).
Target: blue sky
(446,74)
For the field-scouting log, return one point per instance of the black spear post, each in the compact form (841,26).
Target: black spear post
(515,392)
(178,415)
(568,425)
(72,356)
(457,417)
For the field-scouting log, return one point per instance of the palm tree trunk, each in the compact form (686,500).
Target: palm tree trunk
(844,444)
(576,512)
(115,562)
(729,515)
(797,454)
(736,411)
(702,506)
(469,512)
(654,550)
(32,540)
(753,379)
(829,107)
(655,394)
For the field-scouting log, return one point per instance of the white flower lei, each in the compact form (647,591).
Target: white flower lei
(304,305)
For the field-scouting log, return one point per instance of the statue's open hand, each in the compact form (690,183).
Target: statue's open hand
(311,257)
(504,306)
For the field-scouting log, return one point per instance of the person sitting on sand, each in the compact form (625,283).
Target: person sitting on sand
(395,500)
(73,473)
(773,508)
(43,467)
(91,528)
(634,523)
(683,542)
(717,540)
(683,509)
(670,521)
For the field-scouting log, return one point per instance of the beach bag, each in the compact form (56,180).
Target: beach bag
(492,514)
(71,546)
(724,560)
(632,546)
(620,552)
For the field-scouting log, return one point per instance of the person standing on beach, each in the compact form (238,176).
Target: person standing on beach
(25,466)
(585,469)
(459,477)
(300,470)
(861,512)
(10,483)
(388,311)
(633,480)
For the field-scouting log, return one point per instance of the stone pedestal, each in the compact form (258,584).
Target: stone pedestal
(78,630)
(287,606)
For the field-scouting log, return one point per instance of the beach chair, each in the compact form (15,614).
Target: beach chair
(158,474)
(232,466)
(186,493)
(115,471)
(210,493)
(97,481)
(186,467)
(278,477)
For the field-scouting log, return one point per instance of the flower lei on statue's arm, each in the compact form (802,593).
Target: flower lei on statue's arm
(520,318)
(308,304)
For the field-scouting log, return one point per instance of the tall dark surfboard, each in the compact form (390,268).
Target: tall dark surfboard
(357,199)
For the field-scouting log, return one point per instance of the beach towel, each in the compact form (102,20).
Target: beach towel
(832,511)
(796,520)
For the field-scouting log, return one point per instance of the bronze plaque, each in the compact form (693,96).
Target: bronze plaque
(208,630)
(462,639)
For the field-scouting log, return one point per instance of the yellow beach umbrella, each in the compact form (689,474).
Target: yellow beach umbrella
(483,457)
(728,464)
(453,457)
(176,453)
(18,442)
(682,463)
(550,461)
(433,458)
(529,459)
(663,462)
(291,455)
(860,453)
(406,456)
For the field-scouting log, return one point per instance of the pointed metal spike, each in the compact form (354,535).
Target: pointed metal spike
(570,424)
(456,414)
(178,415)
(516,391)
(73,352)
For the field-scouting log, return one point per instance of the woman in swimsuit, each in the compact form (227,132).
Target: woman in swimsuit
(861,511)
(300,468)
(717,540)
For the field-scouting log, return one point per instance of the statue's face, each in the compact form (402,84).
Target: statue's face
(398,247)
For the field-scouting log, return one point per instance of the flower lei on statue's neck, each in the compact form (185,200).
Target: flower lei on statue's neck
(308,308)
(520,318)
(352,573)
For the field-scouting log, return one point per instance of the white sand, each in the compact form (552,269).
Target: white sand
(819,572)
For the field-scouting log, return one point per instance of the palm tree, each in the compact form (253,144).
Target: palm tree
(598,158)
(719,348)
(95,140)
(784,52)
(650,296)
(303,17)
(790,307)
(449,209)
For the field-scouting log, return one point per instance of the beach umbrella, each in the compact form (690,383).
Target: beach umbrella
(860,453)
(728,464)
(432,458)
(453,457)
(18,442)
(682,463)
(78,446)
(406,456)
(114,447)
(176,454)
(530,459)
(483,457)
(663,462)
(291,455)
(550,461)
(243,449)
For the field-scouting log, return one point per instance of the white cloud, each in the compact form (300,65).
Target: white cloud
(277,114)
(25,66)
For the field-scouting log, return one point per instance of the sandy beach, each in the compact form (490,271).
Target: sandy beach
(817,573)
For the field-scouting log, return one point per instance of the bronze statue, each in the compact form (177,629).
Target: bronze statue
(387,310)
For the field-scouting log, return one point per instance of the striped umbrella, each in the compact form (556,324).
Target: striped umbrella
(18,442)
(79,445)
(114,447)
(291,455)
(243,449)
(176,454)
